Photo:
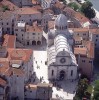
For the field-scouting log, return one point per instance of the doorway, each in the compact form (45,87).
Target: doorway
(62,75)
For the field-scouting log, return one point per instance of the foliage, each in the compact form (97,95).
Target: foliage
(89,89)
(74,6)
(83,90)
(5,8)
(96,90)
(88,10)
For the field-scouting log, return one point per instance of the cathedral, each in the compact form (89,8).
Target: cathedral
(62,63)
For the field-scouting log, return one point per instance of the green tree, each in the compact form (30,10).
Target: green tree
(88,10)
(74,6)
(82,88)
(96,90)
(5,8)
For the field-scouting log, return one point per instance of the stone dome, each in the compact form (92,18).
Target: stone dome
(61,22)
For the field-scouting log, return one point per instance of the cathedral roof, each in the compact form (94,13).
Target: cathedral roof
(61,20)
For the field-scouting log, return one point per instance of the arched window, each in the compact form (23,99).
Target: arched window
(33,42)
(38,42)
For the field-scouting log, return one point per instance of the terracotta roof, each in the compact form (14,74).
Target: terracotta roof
(19,54)
(10,5)
(3,82)
(16,71)
(69,11)
(77,15)
(35,2)
(81,30)
(82,19)
(94,31)
(28,10)
(87,50)
(90,47)
(4,67)
(9,41)
(6,15)
(59,5)
(31,86)
(77,38)
(81,51)
(34,28)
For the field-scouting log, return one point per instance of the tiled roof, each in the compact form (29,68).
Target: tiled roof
(19,54)
(28,10)
(87,50)
(10,5)
(33,28)
(9,41)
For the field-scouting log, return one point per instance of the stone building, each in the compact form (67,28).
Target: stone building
(41,91)
(61,60)
(85,56)
(28,35)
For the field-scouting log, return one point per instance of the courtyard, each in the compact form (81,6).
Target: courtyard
(63,90)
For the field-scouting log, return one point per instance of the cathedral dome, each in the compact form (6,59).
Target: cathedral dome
(61,22)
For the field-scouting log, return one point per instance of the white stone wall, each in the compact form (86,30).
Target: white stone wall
(74,76)
(66,69)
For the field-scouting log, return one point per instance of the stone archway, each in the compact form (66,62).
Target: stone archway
(33,42)
(62,75)
(38,42)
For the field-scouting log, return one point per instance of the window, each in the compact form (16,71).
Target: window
(90,61)
(84,34)
(27,43)
(96,39)
(71,72)
(7,23)
(33,33)
(2,23)
(22,34)
(30,91)
(52,72)
(16,34)
(8,29)
(96,35)
(83,60)
(22,29)
(16,29)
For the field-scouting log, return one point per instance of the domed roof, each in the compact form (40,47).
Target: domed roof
(61,20)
